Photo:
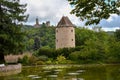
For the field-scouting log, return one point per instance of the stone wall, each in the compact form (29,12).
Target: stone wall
(65,37)
(10,69)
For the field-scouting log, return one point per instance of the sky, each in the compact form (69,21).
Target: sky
(53,10)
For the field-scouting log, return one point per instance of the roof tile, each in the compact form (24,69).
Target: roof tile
(65,22)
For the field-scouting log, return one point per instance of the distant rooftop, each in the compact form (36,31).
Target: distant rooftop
(65,22)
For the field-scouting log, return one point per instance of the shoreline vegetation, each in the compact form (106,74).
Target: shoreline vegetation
(50,66)
(91,47)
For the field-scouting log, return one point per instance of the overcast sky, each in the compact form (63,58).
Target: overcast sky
(53,10)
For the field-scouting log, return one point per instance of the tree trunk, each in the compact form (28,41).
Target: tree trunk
(2,60)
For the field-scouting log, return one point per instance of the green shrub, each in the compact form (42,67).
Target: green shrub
(43,58)
(61,59)
(45,51)
(39,63)
(32,60)
(74,56)
(24,60)
(49,62)
(28,60)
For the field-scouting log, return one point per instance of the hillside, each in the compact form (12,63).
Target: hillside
(45,37)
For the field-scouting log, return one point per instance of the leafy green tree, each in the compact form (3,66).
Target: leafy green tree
(114,52)
(46,36)
(94,10)
(36,43)
(83,34)
(45,51)
(117,34)
(74,56)
(94,46)
(11,36)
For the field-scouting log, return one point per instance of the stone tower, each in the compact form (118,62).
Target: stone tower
(65,34)
(37,23)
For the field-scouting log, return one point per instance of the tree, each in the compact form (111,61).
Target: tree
(36,43)
(83,34)
(11,36)
(114,52)
(94,10)
(117,34)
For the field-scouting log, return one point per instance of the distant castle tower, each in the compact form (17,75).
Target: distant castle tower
(37,23)
(47,23)
(65,34)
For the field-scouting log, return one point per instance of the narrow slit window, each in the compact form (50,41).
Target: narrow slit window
(71,30)
(56,30)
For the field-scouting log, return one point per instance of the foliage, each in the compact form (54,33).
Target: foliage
(28,60)
(11,36)
(114,52)
(43,58)
(83,34)
(61,59)
(74,56)
(36,43)
(117,34)
(94,50)
(45,52)
(39,63)
(39,37)
(91,47)
(94,10)
(24,60)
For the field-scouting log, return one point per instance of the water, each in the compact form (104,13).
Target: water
(68,72)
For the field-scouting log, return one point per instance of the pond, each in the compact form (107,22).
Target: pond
(67,72)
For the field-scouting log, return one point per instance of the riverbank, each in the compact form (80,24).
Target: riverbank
(10,69)
(70,65)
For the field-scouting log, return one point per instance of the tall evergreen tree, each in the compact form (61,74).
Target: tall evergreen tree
(36,43)
(11,36)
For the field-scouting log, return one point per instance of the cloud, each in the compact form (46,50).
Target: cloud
(49,10)
(111,22)
(53,10)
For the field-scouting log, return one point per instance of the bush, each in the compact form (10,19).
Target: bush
(43,58)
(74,56)
(24,60)
(31,60)
(61,59)
(39,63)
(50,61)
(45,51)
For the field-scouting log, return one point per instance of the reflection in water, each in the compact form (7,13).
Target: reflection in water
(100,72)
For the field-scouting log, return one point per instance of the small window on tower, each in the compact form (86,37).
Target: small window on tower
(72,39)
(57,40)
(56,30)
(71,30)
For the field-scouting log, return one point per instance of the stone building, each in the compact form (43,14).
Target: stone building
(37,23)
(65,34)
(47,23)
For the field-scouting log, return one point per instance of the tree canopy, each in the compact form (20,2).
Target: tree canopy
(11,36)
(95,10)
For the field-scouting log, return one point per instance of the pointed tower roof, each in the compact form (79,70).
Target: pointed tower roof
(65,22)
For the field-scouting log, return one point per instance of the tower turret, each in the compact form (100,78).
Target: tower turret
(37,23)
(65,33)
